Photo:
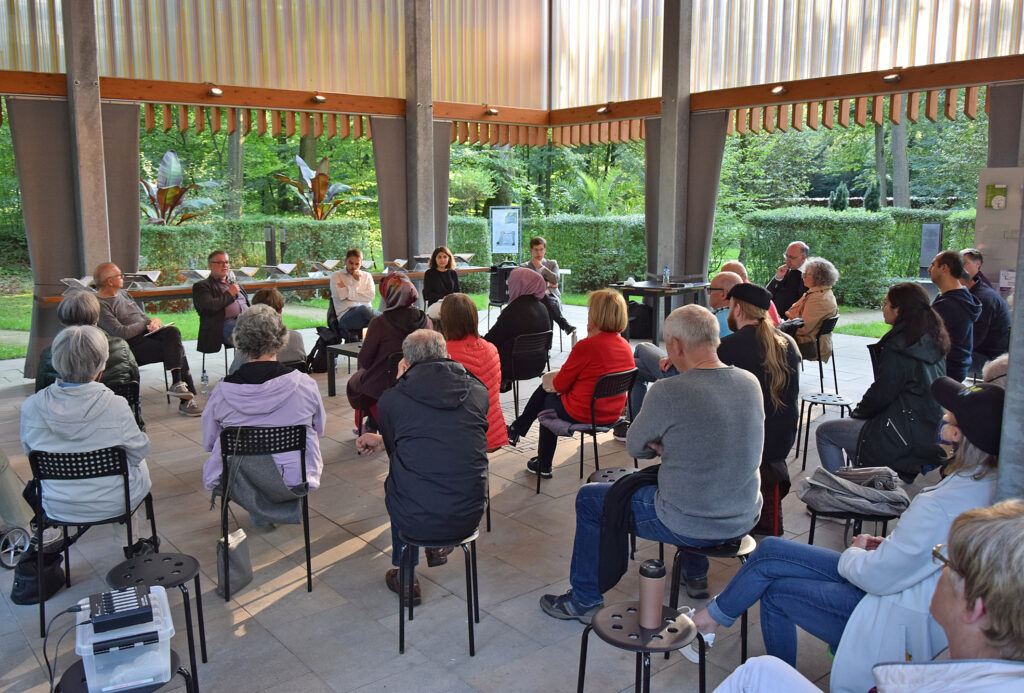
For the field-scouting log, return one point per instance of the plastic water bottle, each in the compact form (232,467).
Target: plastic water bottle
(204,383)
(666,276)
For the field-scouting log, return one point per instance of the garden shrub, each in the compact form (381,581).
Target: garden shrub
(958,233)
(471,235)
(854,240)
(905,238)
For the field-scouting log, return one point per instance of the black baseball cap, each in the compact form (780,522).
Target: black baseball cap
(752,294)
(978,410)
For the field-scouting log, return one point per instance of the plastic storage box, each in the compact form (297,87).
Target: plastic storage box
(125,658)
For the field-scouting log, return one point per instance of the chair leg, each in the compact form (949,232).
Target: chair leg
(476,585)
(597,464)
(152,521)
(39,571)
(469,600)
(401,605)
(188,631)
(810,533)
(583,658)
(67,557)
(224,537)
(835,377)
(515,395)
(821,373)
(807,434)
(305,532)
(488,501)
(677,574)
(799,427)
(202,622)
(167,386)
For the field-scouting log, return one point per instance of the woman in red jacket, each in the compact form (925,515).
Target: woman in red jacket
(459,322)
(604,351)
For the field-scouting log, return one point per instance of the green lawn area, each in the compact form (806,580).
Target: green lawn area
(188,323)
(864,329)
(16,312)
(480,300)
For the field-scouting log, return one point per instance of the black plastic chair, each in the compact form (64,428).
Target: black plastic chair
(530,355)
(263,440)
(130,391)
(609,385)
(74,466)
(828,326)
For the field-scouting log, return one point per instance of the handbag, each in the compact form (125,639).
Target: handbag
(25,589)
(236,559)
(826,492)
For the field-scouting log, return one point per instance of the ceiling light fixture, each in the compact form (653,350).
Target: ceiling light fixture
(319,98)
(892,77)
(604,109)
(490,110)
(778,90)
(215,91)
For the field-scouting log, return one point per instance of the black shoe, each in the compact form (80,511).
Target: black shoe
(533,467)
(620,429)
(513,436)
(697,589)
(506,386)
(436,557)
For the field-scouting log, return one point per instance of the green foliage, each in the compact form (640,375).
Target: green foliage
(854,240)
(864,329)
(13,351)
(16,312)
(958,233)
(598,250)
(318,195)
(165,201)
(872,197)
(470,235)
(839,199)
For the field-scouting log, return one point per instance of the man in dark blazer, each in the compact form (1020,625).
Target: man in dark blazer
(788,285)
(219,300)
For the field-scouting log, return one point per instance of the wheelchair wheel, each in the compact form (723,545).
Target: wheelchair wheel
(13,542)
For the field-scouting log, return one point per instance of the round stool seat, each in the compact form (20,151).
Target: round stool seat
(619,625)
(609,475)
(437,543)
(744,547)
(73,680)
(163,569)
(828,398)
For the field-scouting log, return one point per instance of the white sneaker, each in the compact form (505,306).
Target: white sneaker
(180,390)
(188,407)
(692,651)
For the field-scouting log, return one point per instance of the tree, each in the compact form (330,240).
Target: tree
(871,201)
(839,199)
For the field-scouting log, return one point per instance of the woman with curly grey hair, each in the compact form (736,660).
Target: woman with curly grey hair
(814,306)
(263,392)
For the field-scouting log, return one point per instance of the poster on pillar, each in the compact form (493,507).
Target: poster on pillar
(505,224)
(997,227)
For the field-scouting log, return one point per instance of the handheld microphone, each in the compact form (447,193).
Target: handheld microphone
(231,277)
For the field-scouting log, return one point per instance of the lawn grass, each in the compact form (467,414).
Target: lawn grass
(13,351)
(16,312)
(188,323)
(864,329)
(479,300)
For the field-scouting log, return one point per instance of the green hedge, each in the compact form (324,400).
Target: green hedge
(905,240)
(857,242)
(471,235)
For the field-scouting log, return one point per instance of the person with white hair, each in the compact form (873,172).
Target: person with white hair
(816,304)
(79,414)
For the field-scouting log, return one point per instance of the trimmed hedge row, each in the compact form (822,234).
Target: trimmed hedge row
(471,235)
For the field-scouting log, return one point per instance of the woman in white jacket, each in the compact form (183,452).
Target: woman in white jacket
(79,414)
(870,603)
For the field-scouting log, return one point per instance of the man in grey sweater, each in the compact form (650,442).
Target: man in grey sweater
(707,425)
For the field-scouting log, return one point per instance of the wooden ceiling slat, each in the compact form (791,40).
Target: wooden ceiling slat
(896,108)
(878,110)
(513,135)
(931,106)
(782,117)
(150,113)
(503,134)
(755,119)
(304,124)
(828,113)
(643,130)
(493,130)
(368,129)
(331,125)
(913,107)
(455,133)
(556,136)
(971,102)
(344,126)
(524,134)
(844,113)
(603,133)
(463,131)
(860,111)
(357,127)
(246,121)
(987,90)
(474,133)
(289,123)
(574,135)
(585,133)
(742,114)
(768,119)
(200,119)
(231,125)
(214,120)
(797,119)
(730,123)
(182,118)
(813,110)
(595,133)
(261,122)
(952,96)
(613,131)
(318,124)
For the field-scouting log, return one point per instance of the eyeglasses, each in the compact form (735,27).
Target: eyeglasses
(220,262)
(939,558)
(719,289)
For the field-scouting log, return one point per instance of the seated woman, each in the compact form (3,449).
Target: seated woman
(383,339)
(524,314)
(79,414)
(263,392)
(870,602)
(293,351)
(439,280)
(814,306)
(83,308)
(459,322)
(906,361)
(548,270)
(603,351)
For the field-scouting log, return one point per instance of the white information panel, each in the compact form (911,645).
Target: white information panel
(505,224)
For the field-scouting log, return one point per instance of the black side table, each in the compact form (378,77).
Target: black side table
(73,680)
(167,570)
(619,626)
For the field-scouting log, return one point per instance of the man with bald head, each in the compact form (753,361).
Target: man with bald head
(737,267)
(788,285)
(149,340)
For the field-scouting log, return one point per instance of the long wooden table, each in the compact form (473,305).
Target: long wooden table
(658,290)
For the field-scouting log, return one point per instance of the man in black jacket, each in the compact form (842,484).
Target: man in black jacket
(773,358)
(992,329)
(219,300)
(958,309)
(788,285)
(433,424)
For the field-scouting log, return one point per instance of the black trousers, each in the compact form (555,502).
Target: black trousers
(555,311)
(164,346)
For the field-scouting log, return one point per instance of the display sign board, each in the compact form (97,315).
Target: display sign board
(505,225)
(931,243)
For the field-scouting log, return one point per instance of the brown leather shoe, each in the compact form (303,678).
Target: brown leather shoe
(391,579)
(436,557)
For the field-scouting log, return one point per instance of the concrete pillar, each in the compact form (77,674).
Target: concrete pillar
(1006,125)
(86,128)
(674,141)
(419,128)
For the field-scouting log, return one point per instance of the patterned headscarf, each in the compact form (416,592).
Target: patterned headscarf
(397,291)
(525,281)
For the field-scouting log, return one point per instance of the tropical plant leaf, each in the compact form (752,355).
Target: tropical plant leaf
(169,174)
(299,185)
(149,210)
(335,189)
(307,172)
(321,184)
(186,217)
(324,167)
(148,190)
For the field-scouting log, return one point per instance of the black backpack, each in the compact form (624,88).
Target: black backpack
(317,360)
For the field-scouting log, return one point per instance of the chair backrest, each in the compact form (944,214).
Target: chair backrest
(611,385)
(332,315)
(70,466)
(130,391)
(262,440)
(498,294)
(530,354)
(827,326)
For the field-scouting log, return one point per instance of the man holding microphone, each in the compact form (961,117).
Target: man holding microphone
(219,300)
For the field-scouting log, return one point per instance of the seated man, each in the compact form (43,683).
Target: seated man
(652,362)
(219,300)
(707,425)
(352,293)
(992,328)
(976,602)
(433,424)
(148,339)
(548,269)
(788,284)
(773,358)
(738,267)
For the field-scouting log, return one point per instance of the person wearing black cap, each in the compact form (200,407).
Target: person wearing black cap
(870,602)
(894,423)
(773,358)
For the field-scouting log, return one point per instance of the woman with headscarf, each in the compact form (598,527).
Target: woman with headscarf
(383,339)
(524,314)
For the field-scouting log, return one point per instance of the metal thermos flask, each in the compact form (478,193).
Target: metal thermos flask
(652,592)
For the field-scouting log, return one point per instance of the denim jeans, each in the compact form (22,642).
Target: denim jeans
(798,585)
(585,549)
(834,437)
(356,318)
(546,440)
(227,331)
(647,358)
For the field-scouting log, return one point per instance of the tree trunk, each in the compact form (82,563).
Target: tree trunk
(900,166)
(307,150)
(233,204)
(880,167)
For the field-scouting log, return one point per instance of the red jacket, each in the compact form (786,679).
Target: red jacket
(604,353)
(480,358)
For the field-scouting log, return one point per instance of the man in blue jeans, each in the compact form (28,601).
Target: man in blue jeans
(707,424)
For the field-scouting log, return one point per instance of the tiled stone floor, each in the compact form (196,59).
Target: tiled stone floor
(274,636)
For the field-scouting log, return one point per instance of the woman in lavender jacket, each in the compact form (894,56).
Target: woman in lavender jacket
(262,392)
